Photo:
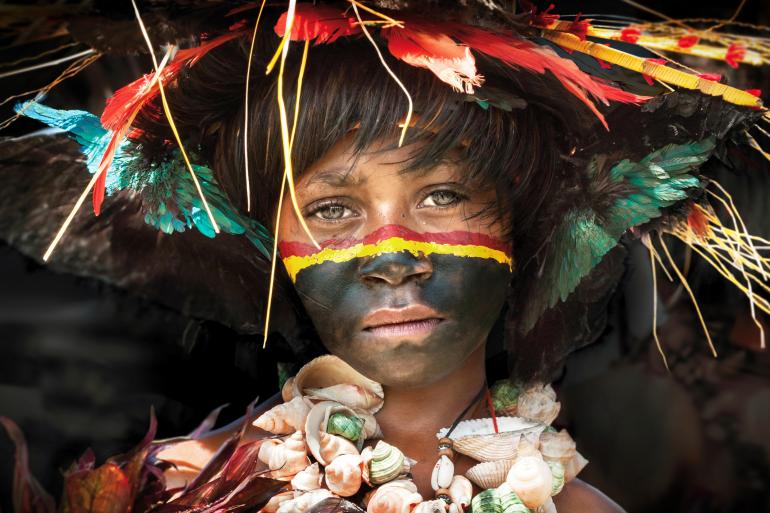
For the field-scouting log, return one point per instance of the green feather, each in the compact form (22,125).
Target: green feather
(585,236)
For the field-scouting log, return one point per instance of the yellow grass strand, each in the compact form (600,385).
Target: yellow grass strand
(273,263)
(284,118)
(655,305)
(686,285)
(410,109)
(170,118)
(274,260)
(246,109)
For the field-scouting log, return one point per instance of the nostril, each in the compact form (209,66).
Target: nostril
(395,268)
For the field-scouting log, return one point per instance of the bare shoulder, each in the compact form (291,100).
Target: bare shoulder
(580,497)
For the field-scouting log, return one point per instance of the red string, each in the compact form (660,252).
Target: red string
(492,411)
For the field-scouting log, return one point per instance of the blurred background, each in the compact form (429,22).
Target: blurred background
(82,363)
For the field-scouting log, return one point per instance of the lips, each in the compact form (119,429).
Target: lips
(412,320)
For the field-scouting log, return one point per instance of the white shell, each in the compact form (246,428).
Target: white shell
(308,479)
(434,506)
(286,458)
(284,418)
(304,502)
(574,466)
(477,438)
(538,403)
(489,474)
(531,479)
(343,474)
(443,470)
(398,496)
(557,446)
(327,371)
(461,491)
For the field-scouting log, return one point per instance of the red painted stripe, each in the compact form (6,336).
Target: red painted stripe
(290,248)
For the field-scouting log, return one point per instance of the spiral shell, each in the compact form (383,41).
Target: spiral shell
(330,378)
(489,474)
(308,479)
(505,395)
(530,478)
(332,446)
(557,446)
(477,437)
(317,423)
(344,474)
(538,403)
(461,491)
(510,502)
(398,496)
(387,463)
(486,502)
(347,426)
(286,458)
(434,506)
(284,418)
(304,502)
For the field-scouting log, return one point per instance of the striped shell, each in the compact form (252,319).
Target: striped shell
(477,438)
(489,474)
(386,463)
(348,426)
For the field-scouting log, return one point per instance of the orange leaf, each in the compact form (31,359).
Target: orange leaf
(103,490)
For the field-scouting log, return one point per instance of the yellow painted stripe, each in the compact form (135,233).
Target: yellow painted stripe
(294,264)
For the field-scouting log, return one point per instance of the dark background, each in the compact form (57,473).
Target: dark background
(81,364)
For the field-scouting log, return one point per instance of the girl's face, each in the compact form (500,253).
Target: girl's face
(409,281)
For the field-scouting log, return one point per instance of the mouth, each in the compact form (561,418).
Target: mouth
(409,321)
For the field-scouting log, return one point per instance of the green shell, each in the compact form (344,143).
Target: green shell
(511,503)
(557,471)
(387,463)
(504,394)
(498,500)
(347,426)
(487,501)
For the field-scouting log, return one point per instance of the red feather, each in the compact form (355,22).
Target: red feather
(423,46)
(121,109)
(323,23)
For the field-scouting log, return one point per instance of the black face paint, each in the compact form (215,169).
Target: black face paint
(429,311)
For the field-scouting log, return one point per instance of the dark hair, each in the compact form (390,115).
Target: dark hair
(514,135)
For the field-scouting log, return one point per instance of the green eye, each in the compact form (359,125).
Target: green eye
(331,212)
(441,198)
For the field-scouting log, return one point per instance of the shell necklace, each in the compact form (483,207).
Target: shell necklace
(328,414)
(444,469)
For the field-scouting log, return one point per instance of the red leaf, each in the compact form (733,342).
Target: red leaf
(28,495)
(104,490)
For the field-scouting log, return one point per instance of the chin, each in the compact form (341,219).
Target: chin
(410,364)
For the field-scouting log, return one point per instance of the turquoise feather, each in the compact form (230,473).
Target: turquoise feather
(169,196)
(584,236)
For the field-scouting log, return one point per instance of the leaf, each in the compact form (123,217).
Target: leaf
(106,489)
(28,495)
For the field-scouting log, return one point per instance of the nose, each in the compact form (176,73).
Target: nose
(395,268)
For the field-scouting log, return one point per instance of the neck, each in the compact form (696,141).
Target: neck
(411,417)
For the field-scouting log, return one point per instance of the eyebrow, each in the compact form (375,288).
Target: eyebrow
(336,177)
